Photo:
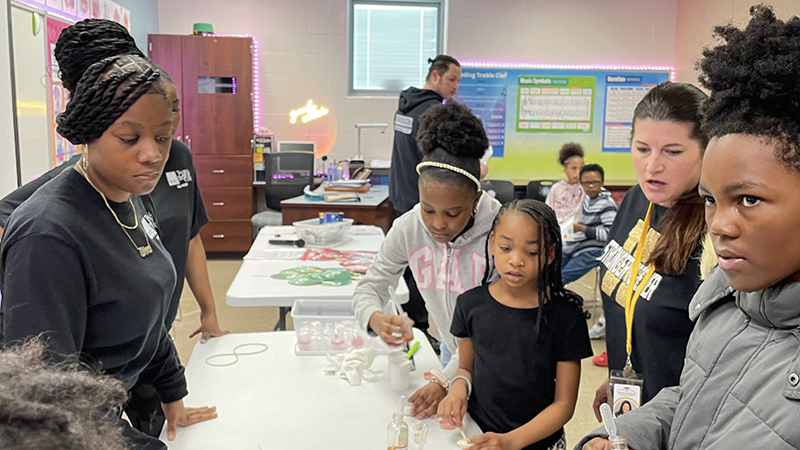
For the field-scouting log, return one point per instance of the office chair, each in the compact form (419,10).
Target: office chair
(503,190)
(287,173)
(538,189)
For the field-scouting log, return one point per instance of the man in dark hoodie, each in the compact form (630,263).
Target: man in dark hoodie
(440,84)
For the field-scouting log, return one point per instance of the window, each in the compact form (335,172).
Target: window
(390,43)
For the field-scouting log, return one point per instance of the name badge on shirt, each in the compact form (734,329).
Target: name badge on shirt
(178,178)
(403,124)
(149,226)
(626,391)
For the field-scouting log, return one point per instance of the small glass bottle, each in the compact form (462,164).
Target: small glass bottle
(618,442)
(397,431)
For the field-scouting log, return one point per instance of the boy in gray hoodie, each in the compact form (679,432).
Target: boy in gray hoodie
(443,239)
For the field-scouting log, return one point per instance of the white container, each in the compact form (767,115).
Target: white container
(317,234)
(321,326)
(399,371)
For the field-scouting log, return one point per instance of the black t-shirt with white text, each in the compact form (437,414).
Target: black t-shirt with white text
(69,272)
(180,211)
(514,369)
(661,324)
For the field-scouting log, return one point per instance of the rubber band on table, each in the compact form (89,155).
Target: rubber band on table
(236,354)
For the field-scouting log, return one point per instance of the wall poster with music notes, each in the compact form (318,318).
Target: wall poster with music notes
(555,104)
(529,113)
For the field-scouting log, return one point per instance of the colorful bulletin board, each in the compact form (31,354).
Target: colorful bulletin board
(529,113)
(61,149)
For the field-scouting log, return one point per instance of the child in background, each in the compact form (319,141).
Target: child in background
(591,230)
(566,196)
(519,387)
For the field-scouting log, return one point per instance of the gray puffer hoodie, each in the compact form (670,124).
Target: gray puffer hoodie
(740,386)
(442,271)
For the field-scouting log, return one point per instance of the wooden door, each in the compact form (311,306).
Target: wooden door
(166,51)
(217,86)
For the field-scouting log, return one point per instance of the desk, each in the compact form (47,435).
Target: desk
(254,286)
(373,209)
(280,401)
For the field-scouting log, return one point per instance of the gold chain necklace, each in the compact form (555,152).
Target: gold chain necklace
(143,250)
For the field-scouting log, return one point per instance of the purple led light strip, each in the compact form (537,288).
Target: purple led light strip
(500,65)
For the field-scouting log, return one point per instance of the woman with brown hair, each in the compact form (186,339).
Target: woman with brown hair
(656,240)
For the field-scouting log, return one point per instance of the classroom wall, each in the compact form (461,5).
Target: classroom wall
(8,156)
(697,19)
(637,32)
(144,19)
(304,55)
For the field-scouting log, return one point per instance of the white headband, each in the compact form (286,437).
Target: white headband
(452,168)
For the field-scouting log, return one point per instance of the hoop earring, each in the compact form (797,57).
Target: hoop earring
(85,158)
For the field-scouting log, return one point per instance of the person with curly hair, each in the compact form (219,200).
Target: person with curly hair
(566,196)
(46,406)
(441,84)
(82,262)
(443,239)
(740,386)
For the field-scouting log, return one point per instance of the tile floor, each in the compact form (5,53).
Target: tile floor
(244,320)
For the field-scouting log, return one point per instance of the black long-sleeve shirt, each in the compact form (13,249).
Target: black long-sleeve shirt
(69,272)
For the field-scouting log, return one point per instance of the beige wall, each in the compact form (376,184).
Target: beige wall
(304,55)
(564,32)
(696,22)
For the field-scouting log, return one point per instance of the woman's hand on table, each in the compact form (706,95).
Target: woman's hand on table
(390,328)
(177,415)
(426,400)
(209,326)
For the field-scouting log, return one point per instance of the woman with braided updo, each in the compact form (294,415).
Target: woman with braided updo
(82,260)
(740,385)
(177,199)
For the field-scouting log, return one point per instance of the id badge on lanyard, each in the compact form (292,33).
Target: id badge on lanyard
(626,384)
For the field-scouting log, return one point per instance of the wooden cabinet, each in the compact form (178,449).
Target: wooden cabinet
(214,76)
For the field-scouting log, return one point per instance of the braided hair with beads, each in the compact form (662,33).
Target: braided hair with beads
(549,286)
(105,91)
(87,42)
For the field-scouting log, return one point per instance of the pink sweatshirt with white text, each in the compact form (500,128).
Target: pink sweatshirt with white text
(442,271)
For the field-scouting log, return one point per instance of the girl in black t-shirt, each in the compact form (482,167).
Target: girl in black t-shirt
(521,339)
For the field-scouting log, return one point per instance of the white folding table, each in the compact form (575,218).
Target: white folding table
(254,285)
(279,401)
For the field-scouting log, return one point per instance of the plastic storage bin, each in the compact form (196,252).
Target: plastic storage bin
(329,326)
(323,234)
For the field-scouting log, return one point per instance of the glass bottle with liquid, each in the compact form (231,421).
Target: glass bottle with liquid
(397,431)
(618,442)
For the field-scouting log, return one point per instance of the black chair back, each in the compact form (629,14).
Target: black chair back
(503,189)
(538,189)
(288,173)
